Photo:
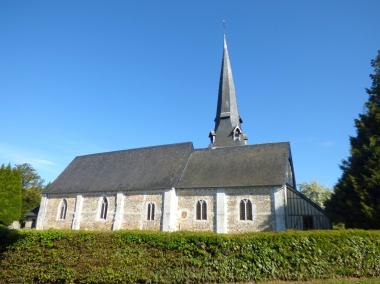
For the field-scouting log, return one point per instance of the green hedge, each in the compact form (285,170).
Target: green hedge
(125,256)
(10,195)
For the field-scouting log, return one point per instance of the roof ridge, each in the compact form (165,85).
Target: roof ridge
(136,149)
(241,146)
(184,168)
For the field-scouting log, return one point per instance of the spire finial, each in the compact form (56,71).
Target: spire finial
(224,23)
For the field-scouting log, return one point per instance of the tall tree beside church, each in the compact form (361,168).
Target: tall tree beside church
(316,192)
(32,185)
(10,195)
(356,198)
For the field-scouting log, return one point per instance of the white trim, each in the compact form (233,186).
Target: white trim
(286,206)
(119,212)
(41,212)
(170,208)
(279,208)
(143,211)
(221,211)
(78,212)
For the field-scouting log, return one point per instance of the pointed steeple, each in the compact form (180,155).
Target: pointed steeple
(227,131)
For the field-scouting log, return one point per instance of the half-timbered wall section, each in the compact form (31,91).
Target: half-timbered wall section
(302,214)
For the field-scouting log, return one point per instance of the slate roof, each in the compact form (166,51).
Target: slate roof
(32,213)
(136,169)
(250,165)
(227,114)
(176,165)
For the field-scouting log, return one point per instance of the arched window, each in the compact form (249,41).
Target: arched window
(236,134)
(246,210)
(151,209)
(201,210)
(63,209)
(103,208)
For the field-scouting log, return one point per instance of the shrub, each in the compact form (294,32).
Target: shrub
(10,195)
(128,256)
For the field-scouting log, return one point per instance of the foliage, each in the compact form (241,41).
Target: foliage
(30,177)
(31,198)
(316,192)
(356,198)
(131,257)
(32,185)
(10,195)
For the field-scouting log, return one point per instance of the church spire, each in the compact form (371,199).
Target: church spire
(227,131)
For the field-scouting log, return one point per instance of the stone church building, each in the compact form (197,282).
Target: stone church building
(229,187)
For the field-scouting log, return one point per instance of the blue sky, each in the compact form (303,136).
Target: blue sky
(79,77)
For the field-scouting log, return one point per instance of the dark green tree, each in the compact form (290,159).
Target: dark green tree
(356,198)
(32,186)
(10,195)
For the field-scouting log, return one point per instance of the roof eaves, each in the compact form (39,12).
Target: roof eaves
(228,186)
(106,190)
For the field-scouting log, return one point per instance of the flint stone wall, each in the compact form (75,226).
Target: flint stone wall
(261,199)
(262,208)
(52,220)
(135,210)
(90,217)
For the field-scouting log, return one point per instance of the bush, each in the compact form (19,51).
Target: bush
(10,195)
(127,256)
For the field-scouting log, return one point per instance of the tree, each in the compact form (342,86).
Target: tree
(32,186)
(30,177)
(356,197)
(316,192)
(10,195)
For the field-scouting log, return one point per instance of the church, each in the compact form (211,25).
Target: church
(229,187)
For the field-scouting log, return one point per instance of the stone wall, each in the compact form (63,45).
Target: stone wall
(136,211)
(52,213)
(90,218)
(262,210)
(187,200)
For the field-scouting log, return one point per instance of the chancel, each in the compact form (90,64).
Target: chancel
(229,187)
